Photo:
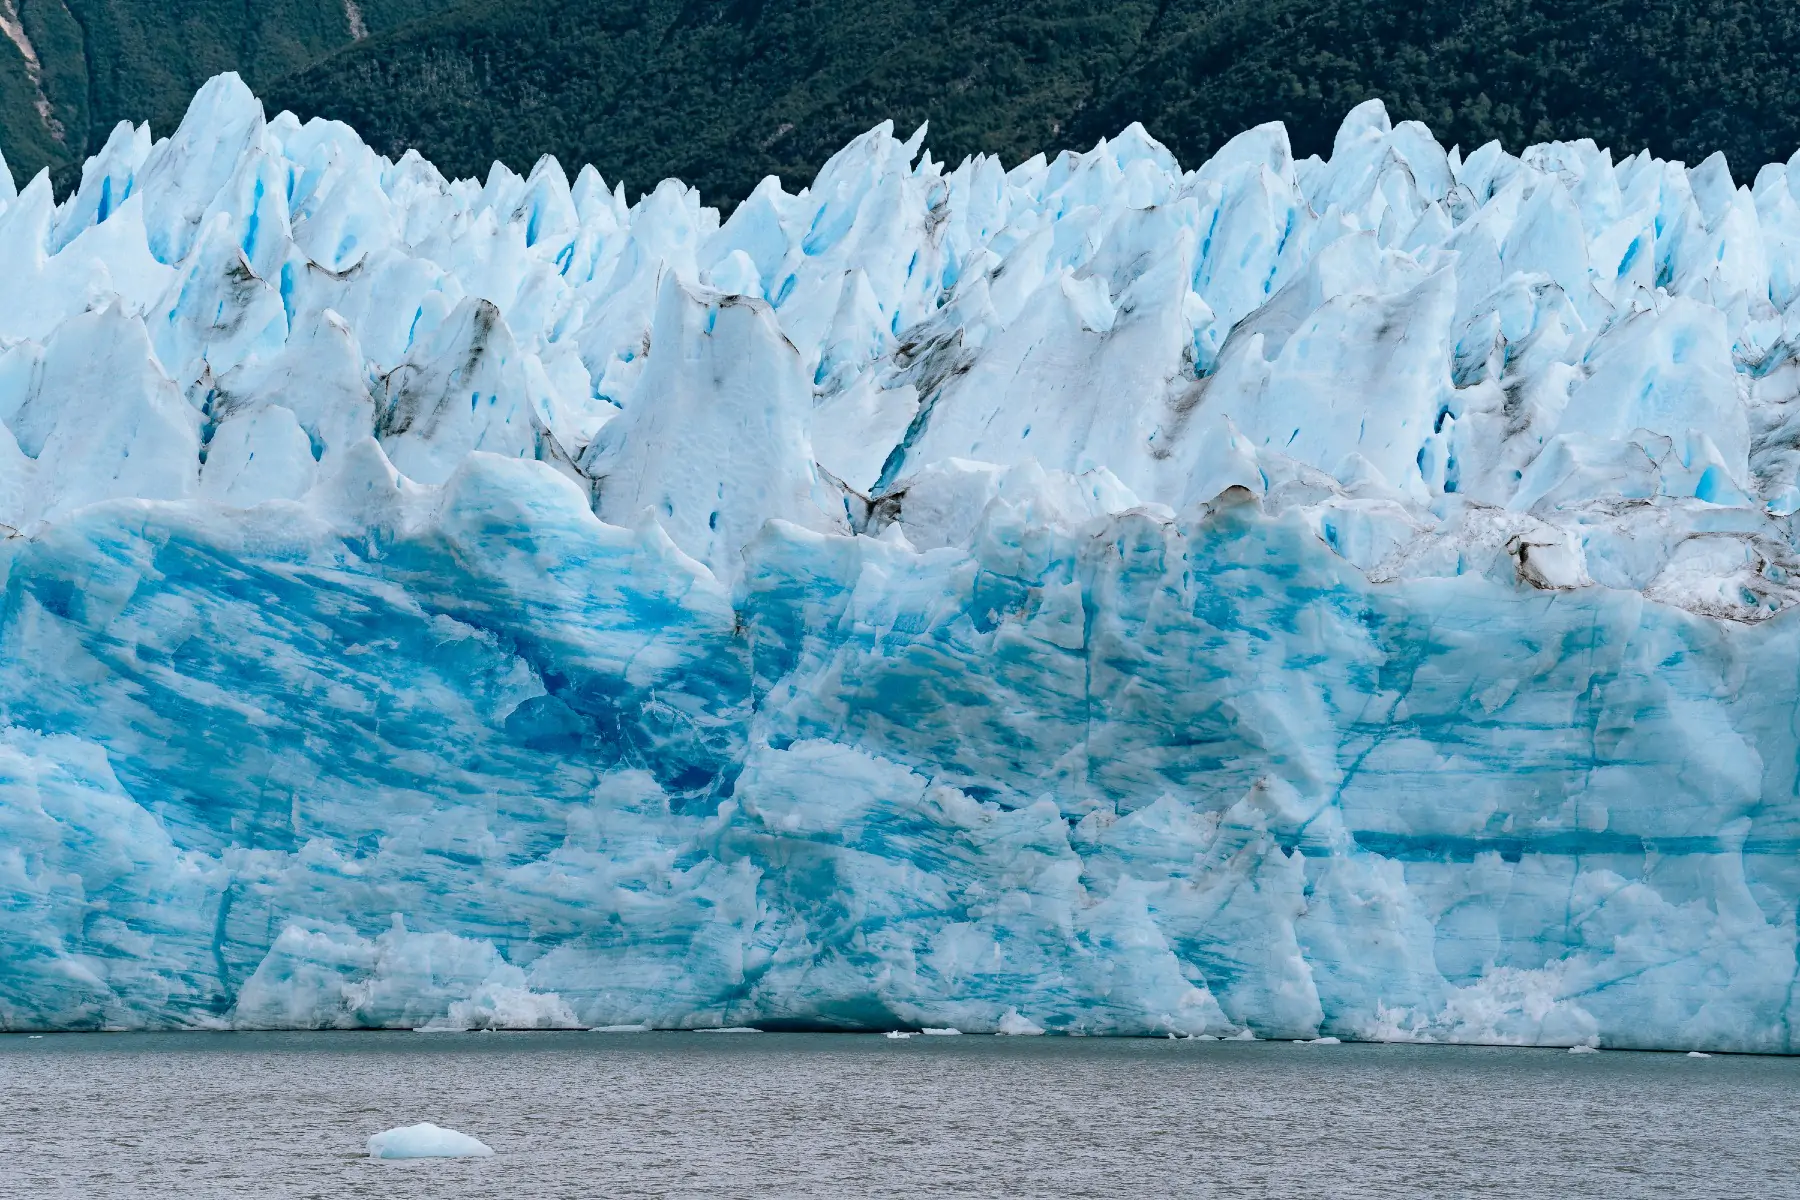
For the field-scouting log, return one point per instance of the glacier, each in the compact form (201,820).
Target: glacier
(1289,598)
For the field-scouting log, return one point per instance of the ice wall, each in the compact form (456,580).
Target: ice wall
(1282,598)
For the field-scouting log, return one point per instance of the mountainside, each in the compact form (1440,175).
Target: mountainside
(723,92)
(720,94)
(72,69)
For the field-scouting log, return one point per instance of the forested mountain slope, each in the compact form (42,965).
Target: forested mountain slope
(72,69)
(722,92)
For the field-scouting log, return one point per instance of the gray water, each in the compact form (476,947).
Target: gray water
(667,1114)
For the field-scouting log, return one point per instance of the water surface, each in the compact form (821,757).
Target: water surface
(667,1114)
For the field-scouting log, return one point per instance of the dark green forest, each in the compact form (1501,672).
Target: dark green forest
(723,92)
(103,61)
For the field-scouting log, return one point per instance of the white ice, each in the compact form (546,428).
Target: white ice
(426,1140)
(1343,597)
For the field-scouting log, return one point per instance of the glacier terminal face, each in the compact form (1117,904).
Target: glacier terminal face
(1327,598)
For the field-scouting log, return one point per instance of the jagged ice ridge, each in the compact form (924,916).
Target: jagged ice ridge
(1284,598)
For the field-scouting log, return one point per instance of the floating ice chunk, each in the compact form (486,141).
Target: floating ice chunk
(1014,1025)
(1698,1054)
(1584,1049)
(731,1029)
(929,1032)
(897,1034)
(426,1140)
(620,1029)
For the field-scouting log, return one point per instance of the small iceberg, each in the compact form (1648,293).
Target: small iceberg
(620,1029)
(897,1034)
(1698,1054)
(1013,1024)
(426,1140)
(1584,1049)
(945,1032)
(731,1029)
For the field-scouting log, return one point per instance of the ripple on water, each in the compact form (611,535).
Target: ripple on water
(279,1115)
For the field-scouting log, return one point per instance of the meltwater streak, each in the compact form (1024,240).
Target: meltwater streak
(1340,597)
(801,1115)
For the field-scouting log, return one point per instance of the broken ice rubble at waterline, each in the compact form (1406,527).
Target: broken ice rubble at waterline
(1286,598)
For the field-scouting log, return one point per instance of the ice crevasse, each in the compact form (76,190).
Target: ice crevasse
(1286,598)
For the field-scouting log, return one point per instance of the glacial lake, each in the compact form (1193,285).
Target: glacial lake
(803,1115)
